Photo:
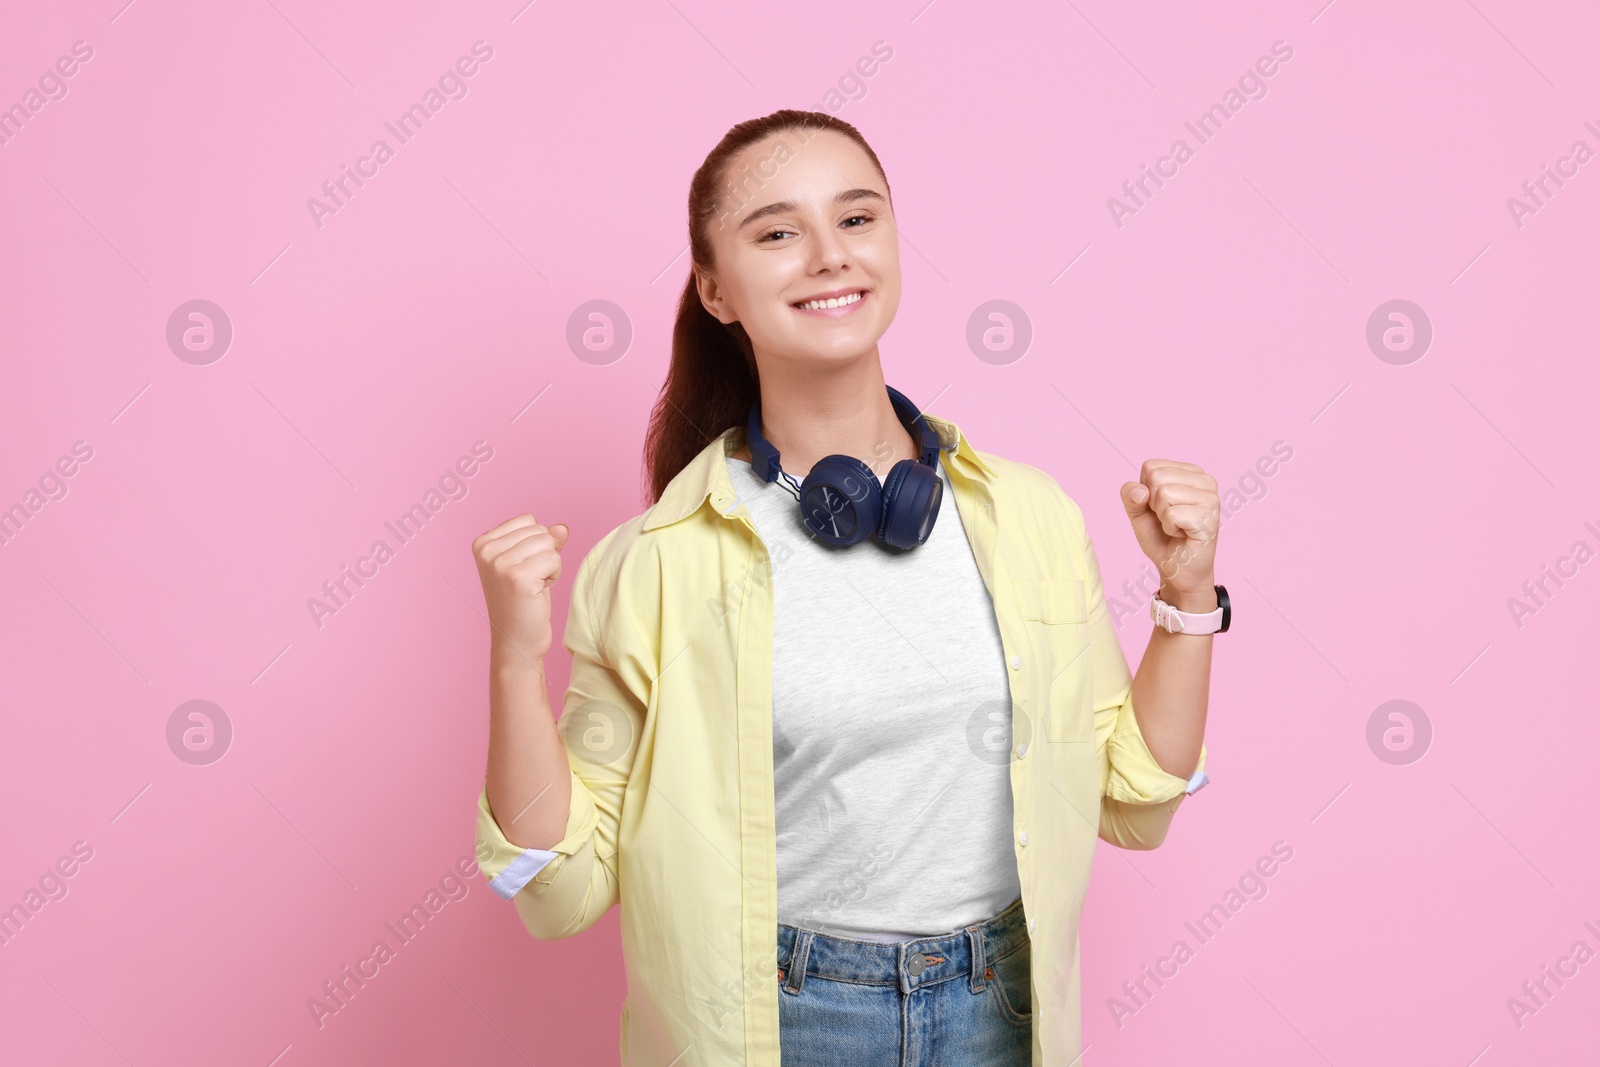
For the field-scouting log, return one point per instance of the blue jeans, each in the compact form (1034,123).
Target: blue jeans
(957,1000)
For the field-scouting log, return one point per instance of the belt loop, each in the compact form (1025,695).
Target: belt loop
(797,961)
(979,964)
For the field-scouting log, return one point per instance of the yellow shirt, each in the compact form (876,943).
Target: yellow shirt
(667,723)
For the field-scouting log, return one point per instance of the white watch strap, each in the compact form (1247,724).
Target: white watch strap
(1194,623)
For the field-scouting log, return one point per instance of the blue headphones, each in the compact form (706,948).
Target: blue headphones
(841,500)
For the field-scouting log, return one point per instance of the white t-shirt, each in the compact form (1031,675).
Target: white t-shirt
(891,738)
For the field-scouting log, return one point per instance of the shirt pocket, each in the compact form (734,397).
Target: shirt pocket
(1056,616)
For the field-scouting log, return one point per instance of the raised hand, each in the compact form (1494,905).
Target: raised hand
(518,562)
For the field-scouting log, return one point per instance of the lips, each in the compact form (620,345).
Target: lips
(840,311)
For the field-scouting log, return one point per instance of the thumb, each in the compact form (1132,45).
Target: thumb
(1135,499)
(559,531)
(1146,526)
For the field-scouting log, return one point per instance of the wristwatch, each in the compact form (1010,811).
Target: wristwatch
(1193,623)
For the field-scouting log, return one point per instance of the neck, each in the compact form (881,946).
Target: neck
(807,415)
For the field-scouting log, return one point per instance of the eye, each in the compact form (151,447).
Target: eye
(775,234)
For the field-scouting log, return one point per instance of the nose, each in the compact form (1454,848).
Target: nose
(828,250)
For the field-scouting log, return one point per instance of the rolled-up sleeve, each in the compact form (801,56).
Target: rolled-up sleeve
(1138,797)
(510,867)
(565,889)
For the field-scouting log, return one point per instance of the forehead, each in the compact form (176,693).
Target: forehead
(807,167)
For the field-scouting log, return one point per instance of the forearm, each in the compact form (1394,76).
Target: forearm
(1171,688)
(529,780)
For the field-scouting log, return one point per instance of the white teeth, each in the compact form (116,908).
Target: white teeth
(818,305)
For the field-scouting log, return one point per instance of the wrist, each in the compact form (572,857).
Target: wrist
(1197,601)
(507,659)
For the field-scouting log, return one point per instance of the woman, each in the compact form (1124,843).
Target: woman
(843,772)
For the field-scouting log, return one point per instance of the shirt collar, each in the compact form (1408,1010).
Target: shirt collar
(707,474)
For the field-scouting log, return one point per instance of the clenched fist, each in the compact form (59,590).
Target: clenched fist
(1176,513)
(518,562)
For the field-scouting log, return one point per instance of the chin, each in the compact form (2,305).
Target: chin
(838,350)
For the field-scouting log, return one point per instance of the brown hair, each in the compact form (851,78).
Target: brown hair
(712,379)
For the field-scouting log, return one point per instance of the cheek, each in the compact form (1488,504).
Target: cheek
(888,295)
(883,263)
(761,281)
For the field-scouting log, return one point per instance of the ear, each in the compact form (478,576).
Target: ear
(711,297)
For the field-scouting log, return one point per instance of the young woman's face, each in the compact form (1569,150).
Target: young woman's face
(814,223)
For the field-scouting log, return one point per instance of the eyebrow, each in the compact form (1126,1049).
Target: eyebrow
(846,197)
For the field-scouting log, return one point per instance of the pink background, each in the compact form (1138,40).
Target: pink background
(368,354)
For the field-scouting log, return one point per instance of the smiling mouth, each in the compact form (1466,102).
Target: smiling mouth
(834,303)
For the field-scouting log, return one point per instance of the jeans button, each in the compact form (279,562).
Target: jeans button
(916,964)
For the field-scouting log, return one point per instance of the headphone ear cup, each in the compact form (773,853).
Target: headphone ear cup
(911,496)
(841,500)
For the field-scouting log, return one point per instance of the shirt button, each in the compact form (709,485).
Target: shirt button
(1033,924)
(1023,837)
(1022,750)
(1016,663)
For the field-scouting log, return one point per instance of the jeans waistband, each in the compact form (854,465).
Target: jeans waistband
(907,964)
